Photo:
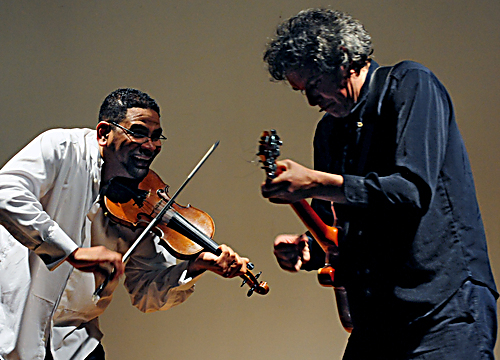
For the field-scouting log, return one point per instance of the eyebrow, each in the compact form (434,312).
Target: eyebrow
(142,127)
(313,80)
(158,131)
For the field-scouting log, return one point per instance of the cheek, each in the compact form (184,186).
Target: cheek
(340,96)
(337,94)
(124,145)
(329,96)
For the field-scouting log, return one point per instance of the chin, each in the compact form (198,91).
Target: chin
(339,113)
(142,174)
(138,174)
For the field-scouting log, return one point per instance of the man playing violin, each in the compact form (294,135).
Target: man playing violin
(391,168)
(57,246)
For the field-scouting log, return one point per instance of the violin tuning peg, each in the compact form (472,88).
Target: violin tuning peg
(257,276)
(250,266)
(250,292)
(243,283)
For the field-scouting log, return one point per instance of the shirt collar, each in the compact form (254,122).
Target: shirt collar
(364,89)
(95,156)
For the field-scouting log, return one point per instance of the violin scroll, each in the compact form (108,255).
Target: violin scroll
(260,288)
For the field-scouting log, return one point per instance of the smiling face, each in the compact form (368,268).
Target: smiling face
(334,93)
(125,155)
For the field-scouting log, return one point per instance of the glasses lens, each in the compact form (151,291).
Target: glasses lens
(140,138)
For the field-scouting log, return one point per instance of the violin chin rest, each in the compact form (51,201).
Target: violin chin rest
(121,190)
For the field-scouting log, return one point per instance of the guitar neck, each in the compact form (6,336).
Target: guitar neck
(326,236)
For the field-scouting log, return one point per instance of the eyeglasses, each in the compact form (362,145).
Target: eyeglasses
(139,138)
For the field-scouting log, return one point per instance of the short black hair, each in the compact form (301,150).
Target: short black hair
(115,105)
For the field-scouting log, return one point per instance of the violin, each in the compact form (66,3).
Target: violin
(326,236)
(185,230)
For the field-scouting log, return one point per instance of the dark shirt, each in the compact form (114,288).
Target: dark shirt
(412,227)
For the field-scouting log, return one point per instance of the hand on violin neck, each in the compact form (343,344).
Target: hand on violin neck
(96,259)
(227,263)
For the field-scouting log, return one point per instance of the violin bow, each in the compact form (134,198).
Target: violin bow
(97,293)
(184,227)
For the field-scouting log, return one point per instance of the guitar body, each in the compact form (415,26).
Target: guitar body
(326,236)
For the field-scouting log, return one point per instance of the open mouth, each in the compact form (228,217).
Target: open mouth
(142,161)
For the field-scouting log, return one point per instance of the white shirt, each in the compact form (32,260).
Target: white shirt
(48,208)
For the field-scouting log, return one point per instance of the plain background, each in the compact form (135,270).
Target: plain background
(202,61)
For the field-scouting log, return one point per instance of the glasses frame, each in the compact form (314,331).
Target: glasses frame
(137,137)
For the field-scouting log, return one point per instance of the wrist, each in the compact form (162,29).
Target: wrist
(328,186)
(195,268)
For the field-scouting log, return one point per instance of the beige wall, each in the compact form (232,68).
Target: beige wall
(202,61)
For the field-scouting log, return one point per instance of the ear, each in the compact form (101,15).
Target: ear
(103,130)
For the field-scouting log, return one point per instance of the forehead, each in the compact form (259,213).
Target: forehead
(146,117)
(299,78)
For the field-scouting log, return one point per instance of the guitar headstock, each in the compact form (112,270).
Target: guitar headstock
(269,150)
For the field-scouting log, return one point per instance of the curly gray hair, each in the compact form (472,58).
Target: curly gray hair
(322,38)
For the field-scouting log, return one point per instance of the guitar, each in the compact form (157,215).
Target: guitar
(326,236)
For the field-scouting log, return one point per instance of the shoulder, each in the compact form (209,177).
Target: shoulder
(65,136)
(411,69)
(411,77)
(59,142)
(408,65)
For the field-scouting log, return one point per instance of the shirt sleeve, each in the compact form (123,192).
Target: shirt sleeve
(422,107)
(154,280)
(24,181)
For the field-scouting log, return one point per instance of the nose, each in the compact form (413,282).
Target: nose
(312,97)
(151,145)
